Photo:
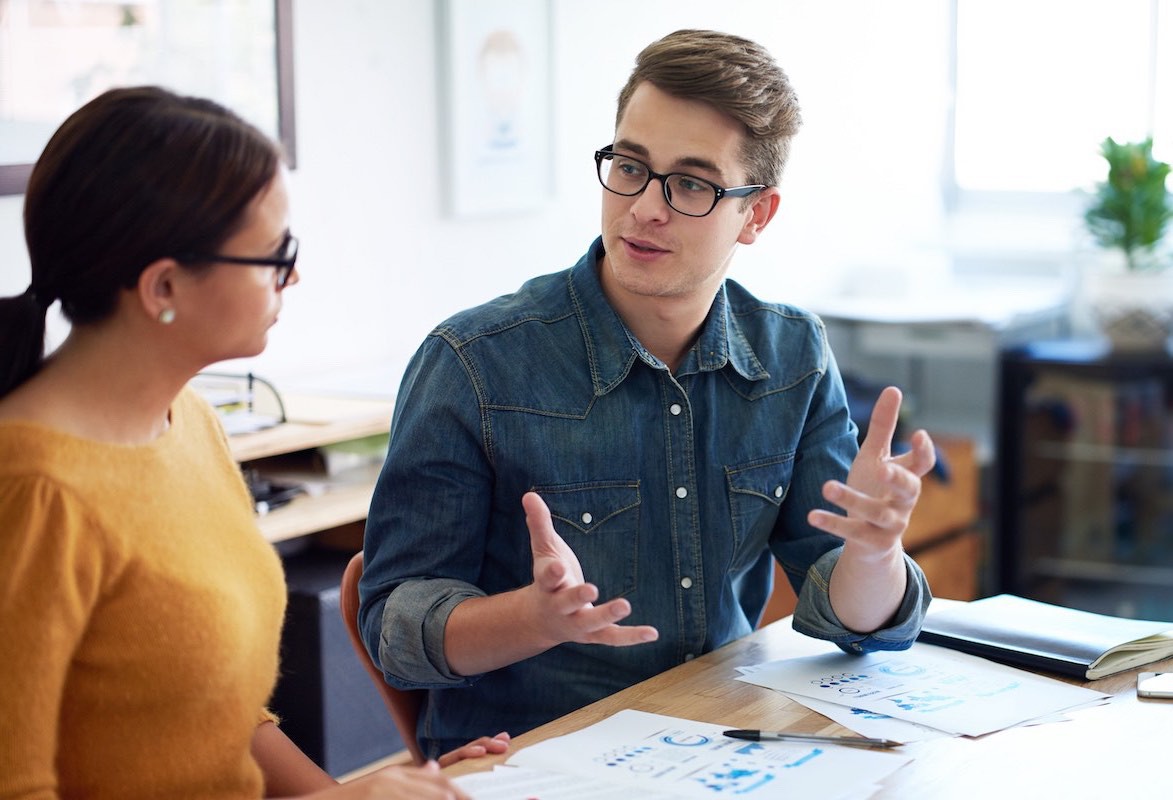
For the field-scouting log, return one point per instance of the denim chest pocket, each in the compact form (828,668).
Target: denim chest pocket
(757,490)
(600,522)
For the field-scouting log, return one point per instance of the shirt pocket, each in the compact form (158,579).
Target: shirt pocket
(757,490)
(600,522)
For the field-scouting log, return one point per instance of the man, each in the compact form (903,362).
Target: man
(664,434)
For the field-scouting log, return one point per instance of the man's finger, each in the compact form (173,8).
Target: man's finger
(922,456)
(549,573)
(542,536)
(882,427)
(625,635)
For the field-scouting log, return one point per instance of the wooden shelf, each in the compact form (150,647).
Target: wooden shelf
(315,421)
(305,515)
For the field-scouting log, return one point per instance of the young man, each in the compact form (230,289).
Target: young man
(660,433)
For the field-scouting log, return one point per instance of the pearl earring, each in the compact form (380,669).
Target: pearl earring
(167,316)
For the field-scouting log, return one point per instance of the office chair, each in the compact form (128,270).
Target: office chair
(404,705)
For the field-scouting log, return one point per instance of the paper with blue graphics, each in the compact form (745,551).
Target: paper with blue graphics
(928,685)
(681,758)
(861,721)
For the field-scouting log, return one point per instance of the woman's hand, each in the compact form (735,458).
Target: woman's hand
(396,783)
(477,748)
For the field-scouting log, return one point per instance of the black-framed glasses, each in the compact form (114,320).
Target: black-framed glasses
(688,194)
(284,259)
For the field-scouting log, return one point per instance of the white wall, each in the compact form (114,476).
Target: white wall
(381,263)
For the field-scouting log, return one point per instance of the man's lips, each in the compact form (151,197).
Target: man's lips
(643,246)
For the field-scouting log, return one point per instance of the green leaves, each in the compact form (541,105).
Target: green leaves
(1132,207)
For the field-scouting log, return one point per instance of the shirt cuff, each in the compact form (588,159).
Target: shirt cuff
(411,642)
(814,616)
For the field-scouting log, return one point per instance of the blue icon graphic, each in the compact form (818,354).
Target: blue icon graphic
(687,740)
(731,778)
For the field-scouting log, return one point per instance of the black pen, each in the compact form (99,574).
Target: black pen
(779,736)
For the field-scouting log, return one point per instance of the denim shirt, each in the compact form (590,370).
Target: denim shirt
(675,491)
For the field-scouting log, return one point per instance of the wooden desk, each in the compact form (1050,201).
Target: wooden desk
(1116,750)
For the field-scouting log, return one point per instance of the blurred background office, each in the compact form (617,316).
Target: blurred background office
(932,212)
(937,172)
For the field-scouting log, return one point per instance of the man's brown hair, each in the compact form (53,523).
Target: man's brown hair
(733,75)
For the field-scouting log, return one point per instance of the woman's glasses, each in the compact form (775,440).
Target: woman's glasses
(284,259)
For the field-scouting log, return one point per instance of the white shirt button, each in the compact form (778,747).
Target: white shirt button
(681,492)
(686,583)
(778,491)
(586,518)
(675,409)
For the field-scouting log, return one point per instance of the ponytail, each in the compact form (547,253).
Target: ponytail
(22,330)
(137,174)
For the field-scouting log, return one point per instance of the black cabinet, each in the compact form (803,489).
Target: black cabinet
(1084,477)
(326,701)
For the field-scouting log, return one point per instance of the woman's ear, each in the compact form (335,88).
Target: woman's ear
(764,207)
(156,290)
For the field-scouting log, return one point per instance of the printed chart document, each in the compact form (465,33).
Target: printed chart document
(659,756)
(1028,633)
(862,721)
(928,685)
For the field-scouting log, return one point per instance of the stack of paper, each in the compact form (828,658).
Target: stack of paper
(951,692)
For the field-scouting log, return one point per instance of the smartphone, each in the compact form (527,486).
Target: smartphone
(1155,684)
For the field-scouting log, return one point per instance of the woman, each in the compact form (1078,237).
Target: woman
(140,610)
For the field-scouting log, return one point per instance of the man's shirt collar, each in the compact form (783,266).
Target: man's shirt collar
(612,348)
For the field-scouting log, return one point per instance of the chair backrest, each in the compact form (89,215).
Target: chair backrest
(404,705)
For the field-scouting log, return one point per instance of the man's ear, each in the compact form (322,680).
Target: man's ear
(764,207)
(156,288)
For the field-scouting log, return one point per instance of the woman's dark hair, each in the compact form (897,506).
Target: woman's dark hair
(134,175)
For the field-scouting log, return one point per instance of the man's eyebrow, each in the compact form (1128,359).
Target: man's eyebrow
(695,162)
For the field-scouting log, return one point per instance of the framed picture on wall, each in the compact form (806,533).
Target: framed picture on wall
(56,56)
(495,105)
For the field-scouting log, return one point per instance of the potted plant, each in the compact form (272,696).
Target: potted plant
(1129,215)
(1131,207)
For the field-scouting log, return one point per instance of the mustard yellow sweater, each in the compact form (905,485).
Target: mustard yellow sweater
(140,615)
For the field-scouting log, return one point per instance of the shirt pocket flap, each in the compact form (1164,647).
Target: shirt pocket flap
(769,480)
(586,508)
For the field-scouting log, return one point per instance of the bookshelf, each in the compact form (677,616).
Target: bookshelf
(1085,477)
(315,421)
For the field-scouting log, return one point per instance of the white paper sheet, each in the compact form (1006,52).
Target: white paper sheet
(522,783)
(928,685)
(866,723)
(682,758)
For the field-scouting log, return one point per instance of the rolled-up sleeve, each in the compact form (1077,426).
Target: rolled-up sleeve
(419,654)
(814,616)
(426,529)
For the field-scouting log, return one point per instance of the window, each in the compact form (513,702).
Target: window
(1040,83)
